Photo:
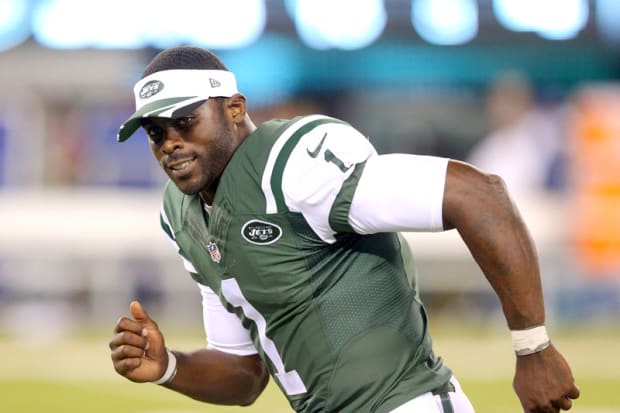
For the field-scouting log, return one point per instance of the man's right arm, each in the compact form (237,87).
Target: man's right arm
(139,353)
(216,377)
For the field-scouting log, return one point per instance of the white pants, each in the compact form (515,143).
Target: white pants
(431,403)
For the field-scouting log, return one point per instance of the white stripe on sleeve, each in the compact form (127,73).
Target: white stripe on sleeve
(273,156)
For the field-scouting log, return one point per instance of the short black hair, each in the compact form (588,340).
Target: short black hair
(184,57)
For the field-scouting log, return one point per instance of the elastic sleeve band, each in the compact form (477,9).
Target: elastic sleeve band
(171,370)
(530,341)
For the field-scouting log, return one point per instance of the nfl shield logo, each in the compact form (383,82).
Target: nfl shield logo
(214,251)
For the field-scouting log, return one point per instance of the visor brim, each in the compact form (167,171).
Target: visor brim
(164,108)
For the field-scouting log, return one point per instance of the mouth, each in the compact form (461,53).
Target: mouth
(180,166)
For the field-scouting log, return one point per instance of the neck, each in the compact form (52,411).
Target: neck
(207,197)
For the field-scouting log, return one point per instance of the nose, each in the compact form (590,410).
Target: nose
(172,140)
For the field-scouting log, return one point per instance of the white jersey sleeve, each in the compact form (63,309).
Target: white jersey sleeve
(396,192)
(223,329)
(399,192)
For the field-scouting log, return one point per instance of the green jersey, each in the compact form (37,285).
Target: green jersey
(333,313)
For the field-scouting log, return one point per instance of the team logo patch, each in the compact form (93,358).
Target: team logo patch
(214,251)
(151,88)
(261,232)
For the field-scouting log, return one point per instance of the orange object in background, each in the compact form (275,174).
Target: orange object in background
(595,160)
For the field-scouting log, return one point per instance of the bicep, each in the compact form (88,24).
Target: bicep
(469,191)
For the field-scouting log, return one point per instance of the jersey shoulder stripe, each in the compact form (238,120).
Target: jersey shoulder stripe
(170,219)
(165,224)
(279,155)
(172,205)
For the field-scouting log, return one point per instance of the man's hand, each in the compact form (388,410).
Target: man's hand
(544,382)
(138,348)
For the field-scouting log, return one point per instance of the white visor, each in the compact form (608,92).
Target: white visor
(175,93)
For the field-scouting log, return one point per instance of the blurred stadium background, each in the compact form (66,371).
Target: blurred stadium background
(527,89)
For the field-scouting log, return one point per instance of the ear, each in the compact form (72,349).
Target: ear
(237,107)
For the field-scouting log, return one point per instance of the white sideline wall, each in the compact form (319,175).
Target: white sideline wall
(55,243)
(110,225)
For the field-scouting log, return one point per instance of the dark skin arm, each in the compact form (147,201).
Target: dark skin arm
(479,207)
(139,353)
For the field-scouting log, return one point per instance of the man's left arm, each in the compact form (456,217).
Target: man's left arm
(479,207)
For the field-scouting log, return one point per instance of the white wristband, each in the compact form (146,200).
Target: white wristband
(171,370)
(530,341)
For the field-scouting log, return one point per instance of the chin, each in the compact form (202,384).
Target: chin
(188,188)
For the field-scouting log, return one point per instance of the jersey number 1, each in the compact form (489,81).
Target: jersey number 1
(289,380)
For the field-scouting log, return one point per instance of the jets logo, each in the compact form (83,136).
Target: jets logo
(151,88)
(261,232)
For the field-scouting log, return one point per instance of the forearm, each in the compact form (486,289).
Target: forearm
(479,207)
(220,378)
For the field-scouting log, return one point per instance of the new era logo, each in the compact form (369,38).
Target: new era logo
(214,83)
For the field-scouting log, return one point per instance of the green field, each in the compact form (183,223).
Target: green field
(76,375)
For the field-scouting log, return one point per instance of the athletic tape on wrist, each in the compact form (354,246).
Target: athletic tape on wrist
(171,370)
(530,341)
